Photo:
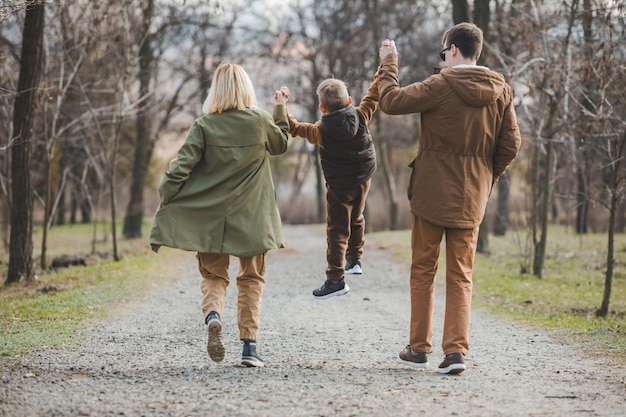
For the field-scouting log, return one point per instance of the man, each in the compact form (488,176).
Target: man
(469,137)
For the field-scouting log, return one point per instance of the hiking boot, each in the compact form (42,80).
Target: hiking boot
(331,289)
(453,363)
(353,267)
(215,346)
(249,357)
(414,359)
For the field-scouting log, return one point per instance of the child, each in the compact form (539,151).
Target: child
(348,162)
(217,199)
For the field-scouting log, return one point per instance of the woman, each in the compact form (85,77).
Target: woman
(217,199)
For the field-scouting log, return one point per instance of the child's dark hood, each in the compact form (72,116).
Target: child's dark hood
(344,123)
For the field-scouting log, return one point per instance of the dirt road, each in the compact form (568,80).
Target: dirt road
(335,357)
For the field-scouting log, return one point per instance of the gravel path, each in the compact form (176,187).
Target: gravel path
(335,357)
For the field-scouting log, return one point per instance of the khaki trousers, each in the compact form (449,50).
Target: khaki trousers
(345,226)
(250,284)
(460,253)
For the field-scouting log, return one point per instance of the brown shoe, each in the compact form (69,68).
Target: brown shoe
(453,363)
(414,359)
(215,346)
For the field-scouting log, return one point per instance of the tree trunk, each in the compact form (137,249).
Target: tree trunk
(582,195)
(460,11)
(616,194)
(482,245)
(501,220)
(540,246)
(482,16)
(390,182)
(143,145)
(610,260)
(21,241)
(582,200)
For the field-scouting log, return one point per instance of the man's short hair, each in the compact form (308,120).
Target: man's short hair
(467,37)
(333,94)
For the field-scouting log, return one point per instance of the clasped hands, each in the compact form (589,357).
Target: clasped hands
(387,47)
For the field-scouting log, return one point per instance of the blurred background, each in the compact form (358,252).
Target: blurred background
(96,98)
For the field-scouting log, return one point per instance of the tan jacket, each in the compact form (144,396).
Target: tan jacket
(469,137)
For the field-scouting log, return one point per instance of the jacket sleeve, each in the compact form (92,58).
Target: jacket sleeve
(181,166)
(278,131)
(414,98)
(370,101)
(509,142)
(309,131)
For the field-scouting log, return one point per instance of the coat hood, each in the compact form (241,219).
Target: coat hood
(472,86)
(343,122)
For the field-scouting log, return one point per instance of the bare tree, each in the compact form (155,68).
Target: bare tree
(21,244)
(615,178)
(143,123)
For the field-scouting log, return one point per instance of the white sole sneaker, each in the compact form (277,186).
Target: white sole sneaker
(252,362)
(337,293)
(355,270)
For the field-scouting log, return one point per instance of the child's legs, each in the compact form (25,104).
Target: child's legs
(250,284)
(337,230)
(214,270)
(357,223)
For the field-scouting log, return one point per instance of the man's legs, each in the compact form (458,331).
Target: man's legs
(460,252)
(425,245)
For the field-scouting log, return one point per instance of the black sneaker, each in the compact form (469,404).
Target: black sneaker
(453,363)
(353,267)
(249,357)
(331,289)
(414,359)
(215,346)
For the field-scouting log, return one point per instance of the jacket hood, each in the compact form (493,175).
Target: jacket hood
(343,122)
(472,86)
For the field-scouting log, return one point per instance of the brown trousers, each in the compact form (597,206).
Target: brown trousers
(345,227)
(460,253)
(250,284)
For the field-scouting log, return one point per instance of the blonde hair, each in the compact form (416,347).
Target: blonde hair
(231,89)
(333,94)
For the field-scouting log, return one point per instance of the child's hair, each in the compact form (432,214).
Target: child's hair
(467,37)
(333,94)
(231,89)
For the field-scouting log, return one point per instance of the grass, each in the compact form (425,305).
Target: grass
(564,300)
(50,310)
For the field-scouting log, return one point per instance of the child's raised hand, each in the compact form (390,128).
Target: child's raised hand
(281,96)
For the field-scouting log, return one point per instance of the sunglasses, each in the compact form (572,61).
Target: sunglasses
(442,54)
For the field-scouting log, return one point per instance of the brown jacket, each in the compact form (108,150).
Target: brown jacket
(469,137)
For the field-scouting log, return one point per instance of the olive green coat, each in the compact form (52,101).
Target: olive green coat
(218,194)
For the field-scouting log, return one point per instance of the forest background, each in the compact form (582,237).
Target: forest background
(96,97)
